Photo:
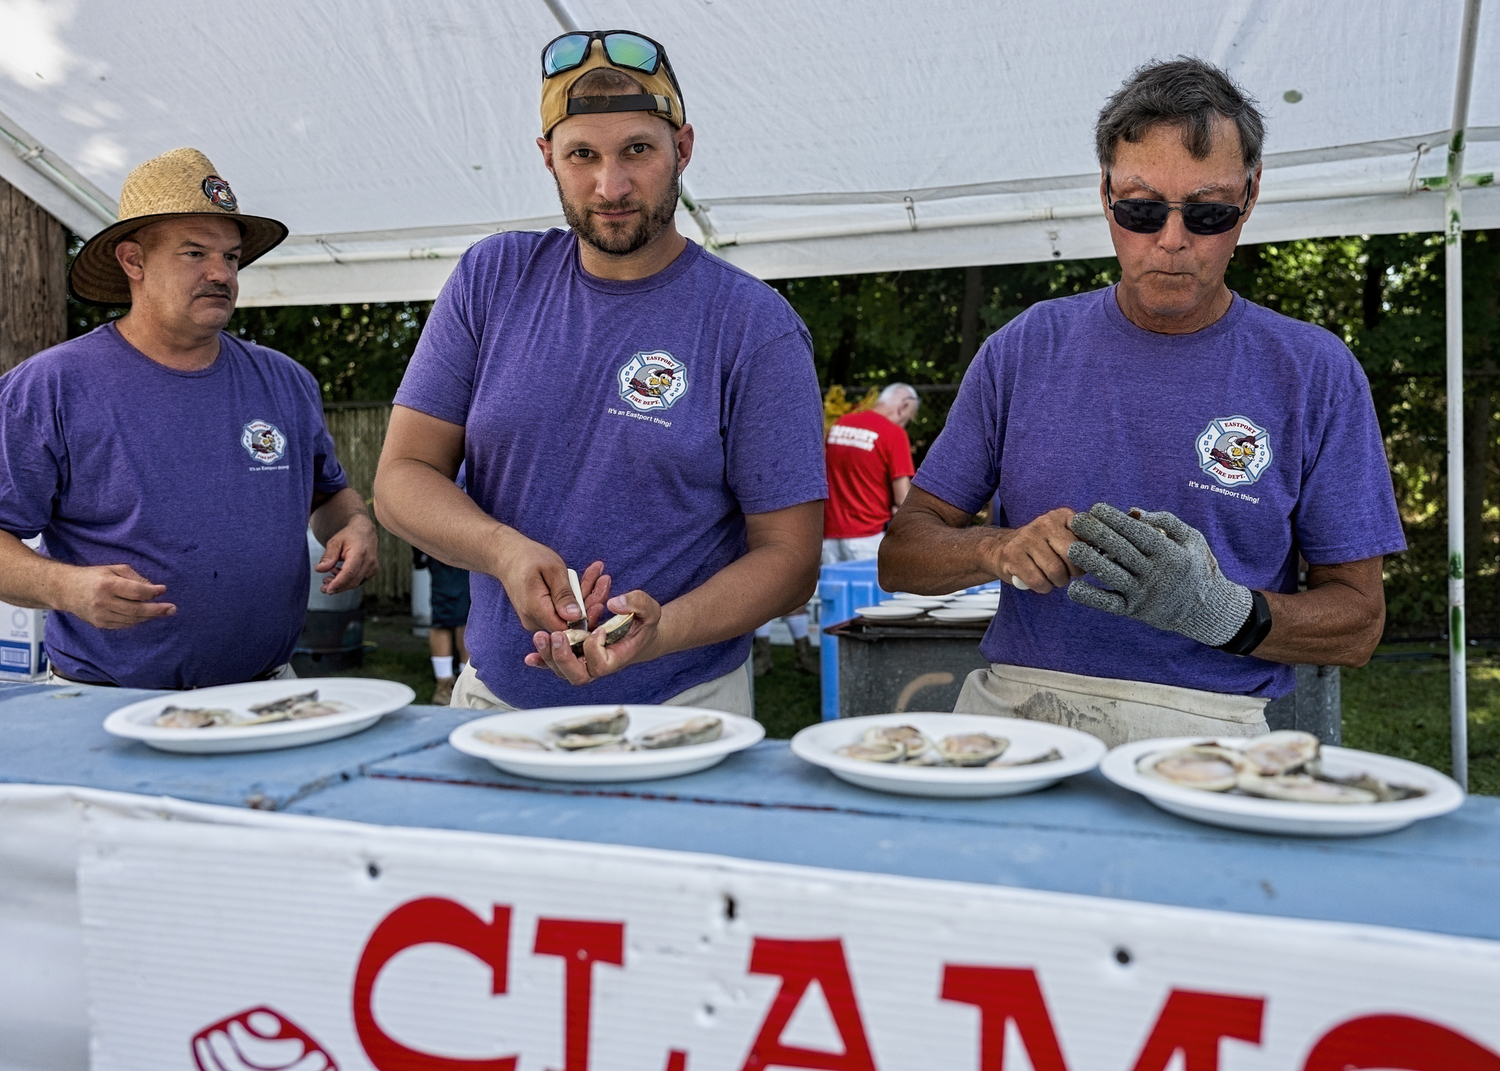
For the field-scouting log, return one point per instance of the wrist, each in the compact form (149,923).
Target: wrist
(1255,629)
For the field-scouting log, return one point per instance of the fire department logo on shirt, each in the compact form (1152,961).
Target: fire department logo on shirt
(1234,450)
(652,381)
(264,442)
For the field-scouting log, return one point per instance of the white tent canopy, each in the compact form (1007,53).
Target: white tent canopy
(832,138)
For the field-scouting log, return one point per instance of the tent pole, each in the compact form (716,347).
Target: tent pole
(1454,280)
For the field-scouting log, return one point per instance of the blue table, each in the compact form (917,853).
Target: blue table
(1083,836)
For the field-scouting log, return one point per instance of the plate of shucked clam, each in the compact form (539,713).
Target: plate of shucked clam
(629,742)
(1283,782)
(259,715)
(952,755)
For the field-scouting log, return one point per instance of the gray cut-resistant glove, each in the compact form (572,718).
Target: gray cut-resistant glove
(1161,571)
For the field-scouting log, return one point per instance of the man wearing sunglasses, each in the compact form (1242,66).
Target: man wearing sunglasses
(627,404)
(1165,451)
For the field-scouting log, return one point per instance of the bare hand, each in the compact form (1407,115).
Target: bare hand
(555,653)
(351,557)
(535,579)
(1038,553)
(112,596)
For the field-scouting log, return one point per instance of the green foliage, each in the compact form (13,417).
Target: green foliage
(1401,708)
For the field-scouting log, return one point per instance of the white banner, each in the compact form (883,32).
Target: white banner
(299,943)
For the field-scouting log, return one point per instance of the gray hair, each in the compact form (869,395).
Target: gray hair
(897,393)
(1188,93)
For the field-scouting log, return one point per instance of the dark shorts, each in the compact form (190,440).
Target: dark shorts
(450,595)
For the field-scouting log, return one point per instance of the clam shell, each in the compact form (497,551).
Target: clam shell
(1304,788)
(279,706)
(696,730)
(1283,752)
(971,749)
(909,736)
(1206,766)
(613,723)
(590,741)
(614,630)
(889,751)
(519,741)
(1050,755)
(175,717)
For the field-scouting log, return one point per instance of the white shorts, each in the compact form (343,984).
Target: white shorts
(852,550)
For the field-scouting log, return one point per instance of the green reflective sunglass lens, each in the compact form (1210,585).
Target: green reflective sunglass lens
(565,53)
(629,50)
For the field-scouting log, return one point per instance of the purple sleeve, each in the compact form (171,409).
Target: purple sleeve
(439,381)
(1347,511)
(773,415)
(328,474)
(963,465)
(32,461)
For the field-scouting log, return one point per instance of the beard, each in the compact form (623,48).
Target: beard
(623,239)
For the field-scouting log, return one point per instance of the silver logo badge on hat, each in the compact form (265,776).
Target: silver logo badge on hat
(218,191)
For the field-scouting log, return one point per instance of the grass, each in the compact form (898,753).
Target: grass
(785,698)
(1392,706)
(1400,708)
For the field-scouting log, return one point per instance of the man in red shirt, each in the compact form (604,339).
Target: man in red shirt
(869,473)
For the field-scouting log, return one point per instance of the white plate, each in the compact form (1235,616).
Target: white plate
(739,733)
(371,700)
(964,613)
(927,602)
(891,611)
(987,598)
(1285,816)
(819,744)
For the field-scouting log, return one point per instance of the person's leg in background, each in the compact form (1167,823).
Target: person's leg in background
(760,650)
(440,643)
(450,613)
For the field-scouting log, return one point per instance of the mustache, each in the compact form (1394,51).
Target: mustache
(213,291)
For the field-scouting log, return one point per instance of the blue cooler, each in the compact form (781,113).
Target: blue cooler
(842,586)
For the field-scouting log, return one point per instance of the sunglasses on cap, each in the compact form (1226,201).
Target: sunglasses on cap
(624,49)
(1144,216)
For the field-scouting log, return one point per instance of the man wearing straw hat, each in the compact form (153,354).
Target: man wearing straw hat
(170,468)
(623,400)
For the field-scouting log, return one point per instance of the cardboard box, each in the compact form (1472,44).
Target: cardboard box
(22,657)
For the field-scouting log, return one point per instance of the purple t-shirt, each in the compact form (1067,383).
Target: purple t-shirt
(635,423)
(201,481)
(1259,431)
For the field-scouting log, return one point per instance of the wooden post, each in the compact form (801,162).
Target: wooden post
(33,278)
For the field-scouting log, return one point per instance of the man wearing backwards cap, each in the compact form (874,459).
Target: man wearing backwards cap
(169,467)
(625,401)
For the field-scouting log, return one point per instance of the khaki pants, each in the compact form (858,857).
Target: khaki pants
(730,693)
(1115,711)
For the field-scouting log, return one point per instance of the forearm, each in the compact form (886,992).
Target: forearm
(428,510)
(336,513)
(922,554)
(28,579)
(767,582)
(1332,625)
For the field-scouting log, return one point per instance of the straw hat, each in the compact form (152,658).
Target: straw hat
(177,183)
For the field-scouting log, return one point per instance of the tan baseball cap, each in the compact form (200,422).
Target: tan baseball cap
(660,95)
(178,183)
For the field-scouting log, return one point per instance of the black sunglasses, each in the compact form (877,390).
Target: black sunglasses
(1143,216)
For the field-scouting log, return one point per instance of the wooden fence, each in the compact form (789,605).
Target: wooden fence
(358,430)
